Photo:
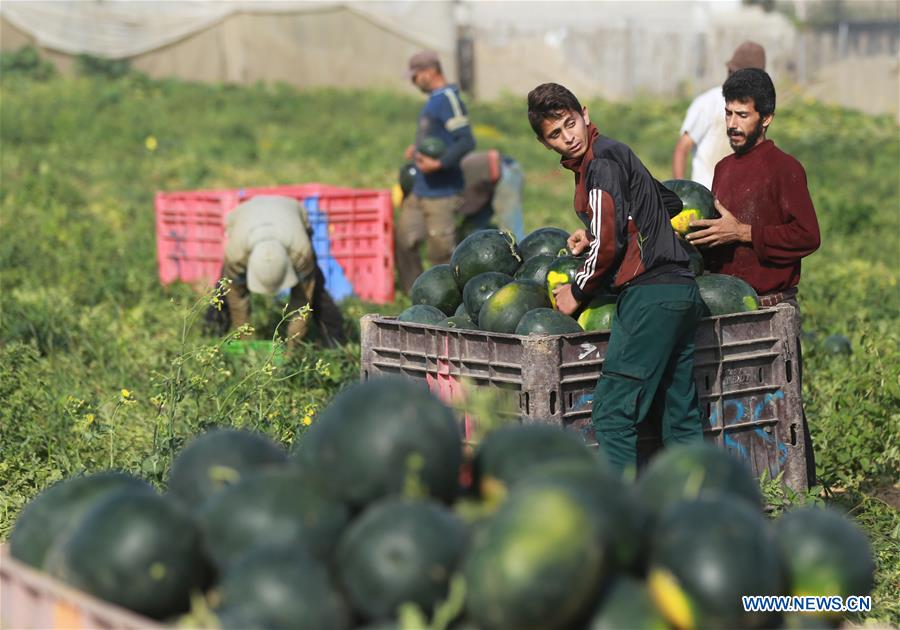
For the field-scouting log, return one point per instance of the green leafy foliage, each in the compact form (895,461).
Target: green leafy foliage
(91,65)
(27,62)
(100,365)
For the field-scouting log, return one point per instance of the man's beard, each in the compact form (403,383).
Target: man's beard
(752,137)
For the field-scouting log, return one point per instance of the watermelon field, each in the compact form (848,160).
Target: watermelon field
(102,367)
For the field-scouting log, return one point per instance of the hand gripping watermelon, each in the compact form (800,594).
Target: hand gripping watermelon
(697,201)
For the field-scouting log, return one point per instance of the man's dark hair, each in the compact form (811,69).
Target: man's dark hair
(550,101)
(751,84)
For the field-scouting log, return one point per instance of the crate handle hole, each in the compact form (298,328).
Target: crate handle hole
(789,370)
(793,435)
(706,381)
(553,403)
(523,403)
(760,375)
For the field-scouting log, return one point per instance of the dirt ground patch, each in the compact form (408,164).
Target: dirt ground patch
(888,494)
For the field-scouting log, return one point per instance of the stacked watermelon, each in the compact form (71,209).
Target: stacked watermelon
(379,519)
(494,284)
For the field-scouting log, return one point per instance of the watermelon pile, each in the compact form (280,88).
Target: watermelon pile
(494,284)
(379,518)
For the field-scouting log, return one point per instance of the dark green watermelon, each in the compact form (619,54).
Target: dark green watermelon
(421,314)
(461,309)
(480,288)
(598,314)
(407,177)
(546,321)
(705,555)
(506,454)
(827,554)
(621,520)
(502,311)
(437,287)
(696,200)
(219,458)
(562,271)
(137,550)
(53,511)
(536,564)
(375,435)
(726,294)
(535,269)
(277,507)
(462,322)
(837,344)
(690,471)
(432,147)
(696,263)
(397,552)
(277,587)
(485,250)
(627,604)
(545,240)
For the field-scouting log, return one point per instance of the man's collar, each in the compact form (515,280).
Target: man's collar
(755,148)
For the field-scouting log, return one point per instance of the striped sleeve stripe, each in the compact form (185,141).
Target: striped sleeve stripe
(454,103)
(459,119)
(595,200)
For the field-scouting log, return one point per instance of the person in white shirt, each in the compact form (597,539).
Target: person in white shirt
(703,133)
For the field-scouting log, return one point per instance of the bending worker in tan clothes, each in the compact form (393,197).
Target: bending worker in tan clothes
(268,250)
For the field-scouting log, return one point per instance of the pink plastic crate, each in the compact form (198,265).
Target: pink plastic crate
(30,599)
(352,234)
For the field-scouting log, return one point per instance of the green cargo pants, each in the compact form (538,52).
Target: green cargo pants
(650,359)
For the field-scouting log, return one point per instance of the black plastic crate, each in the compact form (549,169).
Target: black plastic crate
(745,369)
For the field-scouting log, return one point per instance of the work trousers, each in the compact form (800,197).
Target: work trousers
(310,290)
(431,220)
(649,363)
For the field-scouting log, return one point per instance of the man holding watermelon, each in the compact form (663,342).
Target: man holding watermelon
(443,137)
(631,248)
(768,222)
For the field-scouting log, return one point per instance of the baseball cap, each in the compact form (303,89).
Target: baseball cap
(269,269)
(747,55)
(421,60)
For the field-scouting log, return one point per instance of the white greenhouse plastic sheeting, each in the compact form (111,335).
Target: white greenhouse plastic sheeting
(127,28)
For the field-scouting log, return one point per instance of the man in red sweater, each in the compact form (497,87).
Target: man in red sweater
(768,223)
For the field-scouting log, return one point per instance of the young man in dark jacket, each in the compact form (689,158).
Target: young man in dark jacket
(632,249)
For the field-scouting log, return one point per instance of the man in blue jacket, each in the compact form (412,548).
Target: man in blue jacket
(429,213)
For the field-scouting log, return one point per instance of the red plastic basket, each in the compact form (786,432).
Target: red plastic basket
(353,235)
